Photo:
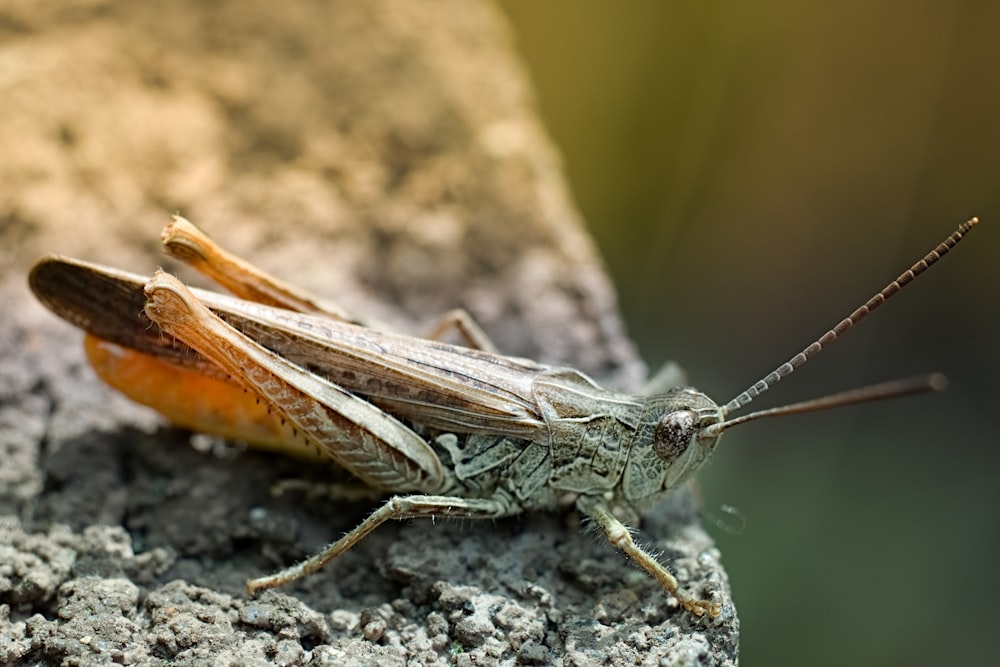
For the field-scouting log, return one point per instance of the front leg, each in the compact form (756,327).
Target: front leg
(620,536)
(397,507)
(670,376)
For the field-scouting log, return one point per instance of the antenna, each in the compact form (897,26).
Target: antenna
(917,384)
(934,382)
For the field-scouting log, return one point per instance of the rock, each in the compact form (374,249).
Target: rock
(386,155)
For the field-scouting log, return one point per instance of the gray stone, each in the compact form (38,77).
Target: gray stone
(386,155)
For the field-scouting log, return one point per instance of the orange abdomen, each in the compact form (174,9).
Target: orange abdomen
(195,401)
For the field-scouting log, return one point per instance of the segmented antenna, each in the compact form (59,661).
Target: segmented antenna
(836,332)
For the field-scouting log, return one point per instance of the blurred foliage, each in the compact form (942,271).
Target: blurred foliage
(752,172)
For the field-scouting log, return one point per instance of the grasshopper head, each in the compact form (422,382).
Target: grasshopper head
(679,430)
(672,443)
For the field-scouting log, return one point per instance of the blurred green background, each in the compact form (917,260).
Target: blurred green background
(752,172)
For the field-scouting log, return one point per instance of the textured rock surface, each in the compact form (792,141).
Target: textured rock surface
(383,154)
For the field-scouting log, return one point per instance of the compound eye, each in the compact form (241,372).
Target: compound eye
(673,434)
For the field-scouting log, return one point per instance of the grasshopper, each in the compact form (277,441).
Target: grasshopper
(448,430)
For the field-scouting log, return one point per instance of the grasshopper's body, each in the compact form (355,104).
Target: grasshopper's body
(461,432)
